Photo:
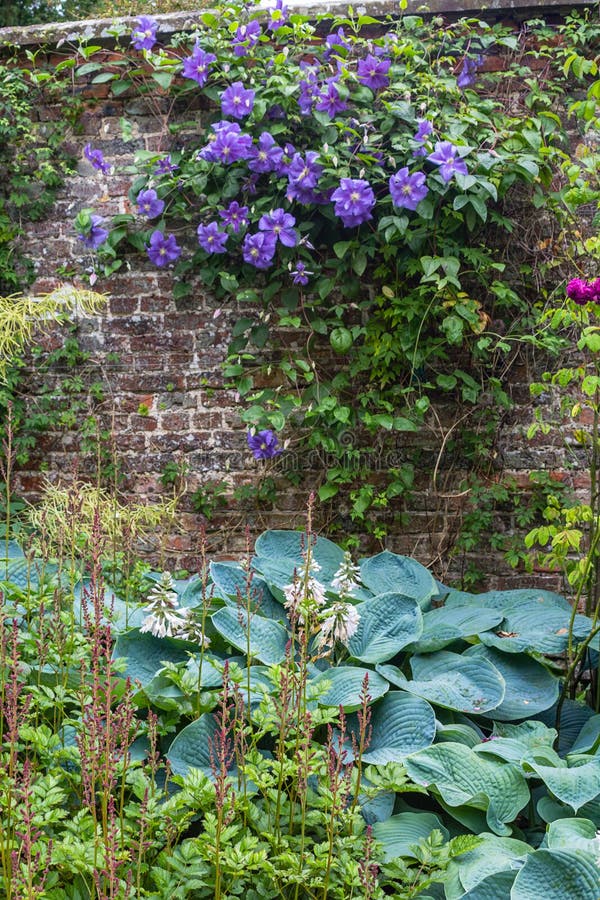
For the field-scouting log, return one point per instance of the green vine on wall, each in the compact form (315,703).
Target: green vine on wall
(365,322)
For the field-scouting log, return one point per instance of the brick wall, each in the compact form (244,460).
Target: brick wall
(165,397)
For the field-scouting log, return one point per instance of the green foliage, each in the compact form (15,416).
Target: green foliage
(224,734)
(420,307)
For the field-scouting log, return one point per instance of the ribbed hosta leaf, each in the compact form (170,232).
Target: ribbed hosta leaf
(494,887)
(400,833)
(146,655)
(444,626)
(452,681)
(387,624)
(343,686)
(588,739)
(530,687)
(557,875)
(401,724)
(463,777)
(291,545)
(573,717)
(115,611)
(388,572)
(537,627)
(508,599)
(191,748)
(513,743)
(495,855)
(572,834)
(575,786)
(265,639)
(231,582)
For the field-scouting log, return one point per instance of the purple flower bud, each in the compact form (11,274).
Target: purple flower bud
(97,159)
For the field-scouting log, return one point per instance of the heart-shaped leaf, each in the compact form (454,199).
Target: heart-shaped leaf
(387,572)
(445,625)
(556,875)
(462,777)
(146,655)
(387,624)
(400,724)
(399,834)
(453,681)
(575,785)
(530,687)
(264,639)
(343,686)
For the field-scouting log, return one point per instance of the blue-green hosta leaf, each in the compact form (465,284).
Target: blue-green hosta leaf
(26,573)
(530,687)
(494,887)
(387,624)
(10,550)
(588,740)
(399,834)
(457,734)
(575,786)
(557,875)
(289,545)
(146,655)
(444,626)
(463,777)
(191,748)
(117,612)
(573,717)
(550,810)
(493,856)
(231,583)
(505,600)
(206,671)
(572,834)
(514,742)
(537,627)
(375,806)
(453,681)
(265,639)
(401,724)
(343,686)
(387,572)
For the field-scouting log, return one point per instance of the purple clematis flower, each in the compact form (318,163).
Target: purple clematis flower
(269,155)
(259,249)
(425,128)
(211,239)
(406,190)
(309,92)
(228,144)
(304,171)
(279,15)
(264,444)
(96,235)
(468,71)
(245,37)
(197,66)
(97,159)
(354,199)
(149,204)
(372,72)
(445,156)
(329,100)
(144,36)
(235,216)
(281,225)
(163,249)
(164,166)
(334,42)
(300,273)
(237,101)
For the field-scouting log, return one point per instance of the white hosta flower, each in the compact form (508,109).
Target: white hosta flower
(166,623)
(303,597)
(163,595)
(346,579)
(339,623)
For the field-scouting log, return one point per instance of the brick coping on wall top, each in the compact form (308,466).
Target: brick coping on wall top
(170,23)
